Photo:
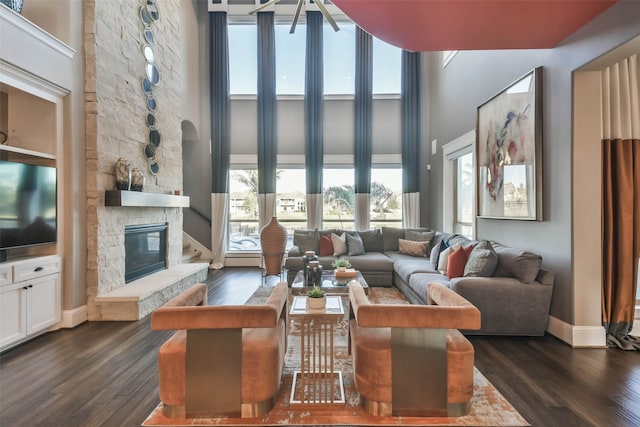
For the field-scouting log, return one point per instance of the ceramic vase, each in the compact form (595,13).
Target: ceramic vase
(273,240)
(123,174)
(306,259)
(137,179)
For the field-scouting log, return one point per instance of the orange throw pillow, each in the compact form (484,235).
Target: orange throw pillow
(326,246)
(456,262)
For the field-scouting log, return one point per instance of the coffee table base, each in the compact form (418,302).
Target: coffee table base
(317,388)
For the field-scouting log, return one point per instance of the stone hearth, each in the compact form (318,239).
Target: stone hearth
(140,297)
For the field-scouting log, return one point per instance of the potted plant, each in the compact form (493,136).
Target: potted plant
(341,264)
(316,298)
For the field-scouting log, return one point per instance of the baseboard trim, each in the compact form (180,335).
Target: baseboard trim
(577,336)
(74,317)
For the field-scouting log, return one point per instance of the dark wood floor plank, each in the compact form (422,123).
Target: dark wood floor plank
(103,374)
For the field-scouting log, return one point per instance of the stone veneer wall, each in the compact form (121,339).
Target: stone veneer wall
(115,108)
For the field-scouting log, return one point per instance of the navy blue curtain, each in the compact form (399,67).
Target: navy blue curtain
(219,99)
(410,93)
(363,108)
(267,117)
(313,103)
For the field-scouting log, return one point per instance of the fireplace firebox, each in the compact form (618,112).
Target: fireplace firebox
(145,250)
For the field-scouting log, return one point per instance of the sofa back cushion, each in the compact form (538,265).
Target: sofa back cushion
(390,236)
(307,240)
(482,261)
(372,240)
(515,262)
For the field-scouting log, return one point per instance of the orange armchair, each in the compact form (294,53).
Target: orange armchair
(224,361)
(411,360)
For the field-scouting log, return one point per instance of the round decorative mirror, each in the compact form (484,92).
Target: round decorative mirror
(148,35)
(148,53)
(152,9)
(144,16)
(150,152)
(151,120)
(151,103)
(147,88)
(152,73)
(154,137)
(154,168)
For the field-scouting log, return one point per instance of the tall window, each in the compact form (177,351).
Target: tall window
(338,198)
(386,197)
(290,51)
(339,59)
(463,195)
(291,203)
(387,63)
(243,211)
(243,59)
(459,186)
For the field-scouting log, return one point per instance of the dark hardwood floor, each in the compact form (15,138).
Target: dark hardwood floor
(104,373)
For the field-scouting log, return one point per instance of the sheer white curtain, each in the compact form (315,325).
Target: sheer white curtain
(363,201)
(220,217)
(266,208)
(411,210)
(314,211)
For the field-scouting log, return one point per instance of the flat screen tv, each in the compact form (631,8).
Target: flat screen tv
(28,214)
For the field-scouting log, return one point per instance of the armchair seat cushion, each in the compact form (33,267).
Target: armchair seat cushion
(371,349)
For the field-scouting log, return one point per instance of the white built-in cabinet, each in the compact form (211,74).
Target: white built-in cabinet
(29,298)
(36,74)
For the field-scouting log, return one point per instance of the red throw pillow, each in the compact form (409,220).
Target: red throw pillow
(456,262)
(326,247)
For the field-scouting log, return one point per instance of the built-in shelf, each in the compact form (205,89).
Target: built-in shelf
(142,199)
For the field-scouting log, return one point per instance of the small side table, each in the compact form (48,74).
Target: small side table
(317,381)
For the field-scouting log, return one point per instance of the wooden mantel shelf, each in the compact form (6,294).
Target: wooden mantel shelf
(142,199)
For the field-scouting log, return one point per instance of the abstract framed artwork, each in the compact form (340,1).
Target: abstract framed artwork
(509,151)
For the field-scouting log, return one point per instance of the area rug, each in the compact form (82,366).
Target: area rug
(488,406)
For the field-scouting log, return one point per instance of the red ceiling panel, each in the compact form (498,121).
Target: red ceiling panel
(432,25)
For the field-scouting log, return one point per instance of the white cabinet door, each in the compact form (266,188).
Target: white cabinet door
(13,318)
(43,302)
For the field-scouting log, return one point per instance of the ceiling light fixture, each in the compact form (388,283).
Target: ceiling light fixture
(319,3)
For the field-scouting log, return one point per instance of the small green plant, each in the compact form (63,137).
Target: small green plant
(341,263)
(316,292)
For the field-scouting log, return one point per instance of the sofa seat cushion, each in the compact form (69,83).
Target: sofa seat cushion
(262,362)
(419,283)
(371,349)
(405,267)
(370,261)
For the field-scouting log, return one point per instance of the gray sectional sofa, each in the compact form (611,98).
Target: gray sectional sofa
(507,284)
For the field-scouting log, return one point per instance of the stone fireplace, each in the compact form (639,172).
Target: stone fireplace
(115,127)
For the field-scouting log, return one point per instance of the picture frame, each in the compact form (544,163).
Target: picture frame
(509,151)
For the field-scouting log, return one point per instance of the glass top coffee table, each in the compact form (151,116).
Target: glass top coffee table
(330,284)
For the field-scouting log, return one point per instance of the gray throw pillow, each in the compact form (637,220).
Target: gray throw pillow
(355,246)
(518,263)
(482,261)
(372,240)
(307,240)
